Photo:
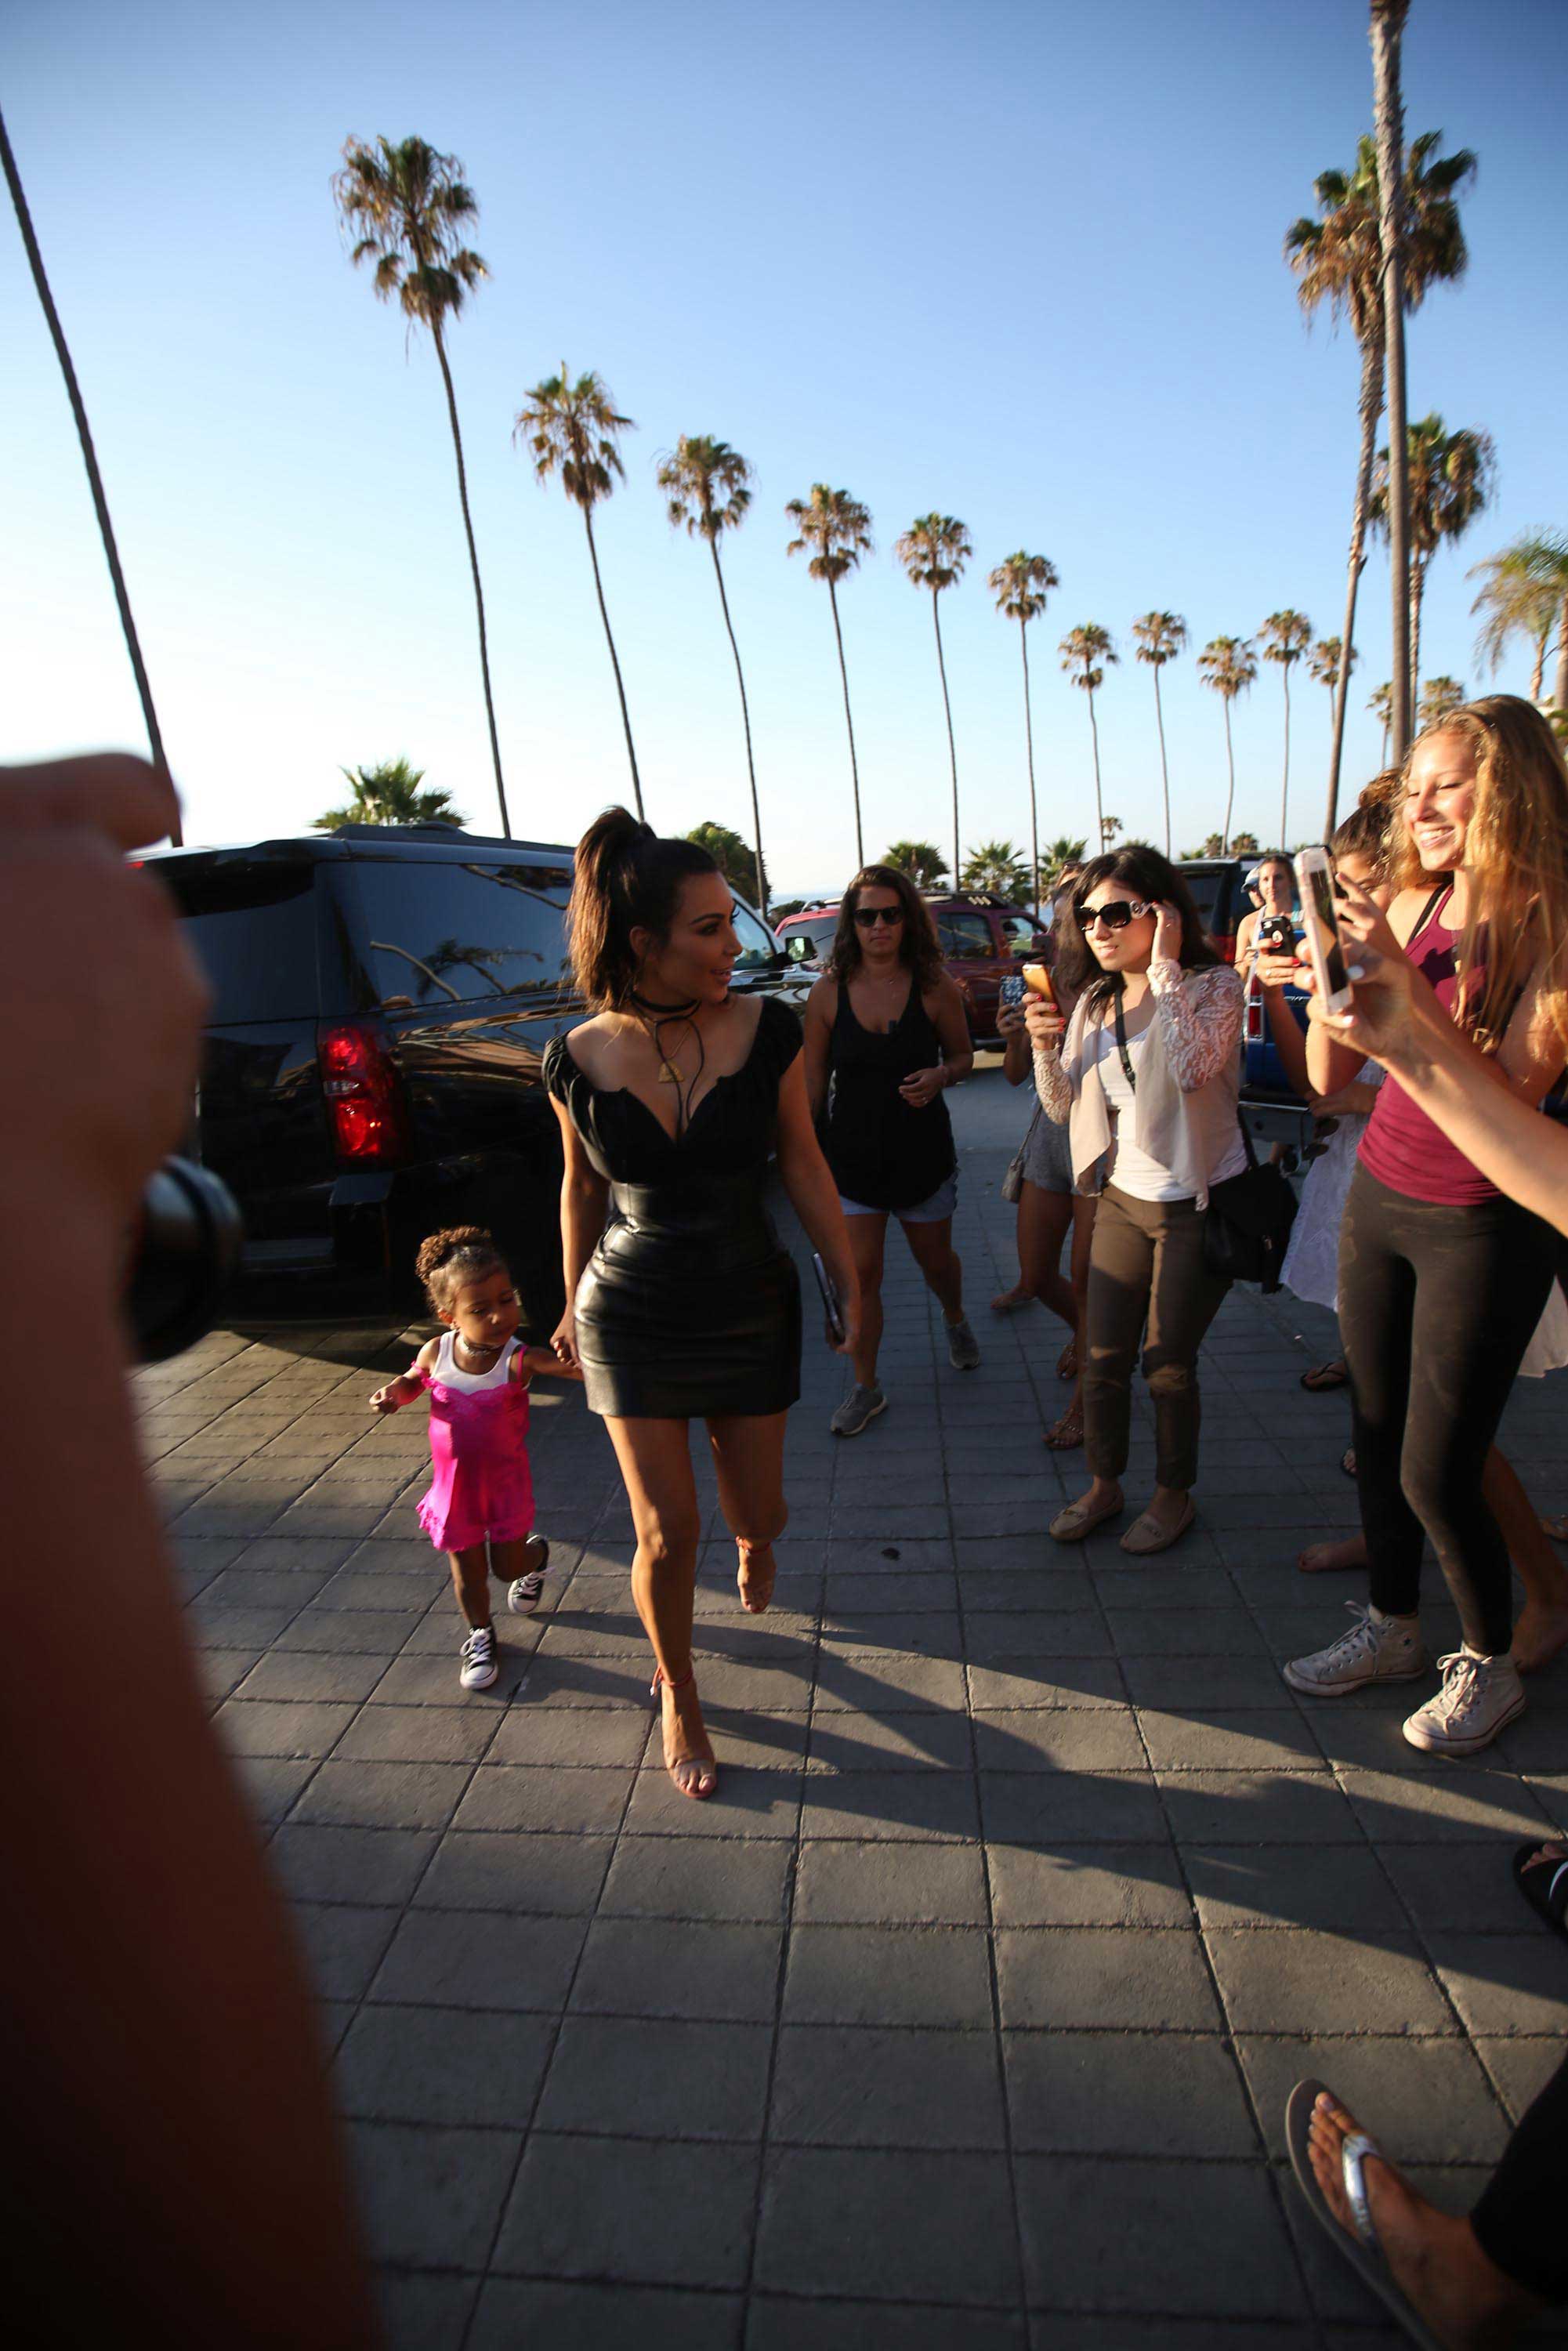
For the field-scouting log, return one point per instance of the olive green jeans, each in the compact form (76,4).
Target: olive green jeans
(1147,1268)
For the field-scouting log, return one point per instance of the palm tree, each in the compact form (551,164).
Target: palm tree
(390,794)
(572,429)
(707,484)
(1449,478)
(934,551)
(1161,637)
(1286,636)
(407,207)
(1439,696)
(1380,702)
(1324,661)
(1020,583)
(839,528)
(921,860)
(1110,826)
(997,867)
(1388,130)
(1526,594)
(1338,261)
(735,860)
(1229,665)
(1085,654)
(1059,854)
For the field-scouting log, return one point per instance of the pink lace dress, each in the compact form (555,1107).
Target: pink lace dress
(479,1451)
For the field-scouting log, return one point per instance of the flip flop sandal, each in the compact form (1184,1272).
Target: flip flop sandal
(1544,1887)
(1322,1377)
(1348,1460)
(1361,2251)
(1145,1535)
(1012,1302)
(1066,1434)
(1067,1362)
(1078,1519)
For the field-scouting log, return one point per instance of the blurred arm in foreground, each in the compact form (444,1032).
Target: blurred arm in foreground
(181,2178)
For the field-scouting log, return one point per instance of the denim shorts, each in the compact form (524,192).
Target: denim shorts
(934,1210)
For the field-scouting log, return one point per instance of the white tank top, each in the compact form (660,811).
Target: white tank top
(472,1382)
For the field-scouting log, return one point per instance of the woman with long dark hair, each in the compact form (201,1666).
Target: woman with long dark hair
(1443,1279)
(885,1033)
(681,1304)
(1145,1077)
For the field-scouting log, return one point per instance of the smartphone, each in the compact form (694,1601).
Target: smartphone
(1037,979)
(1314,879)
(1012,990)
(832,1304)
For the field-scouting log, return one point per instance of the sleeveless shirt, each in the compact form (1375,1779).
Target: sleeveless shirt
(882,1151)
(1402,1147)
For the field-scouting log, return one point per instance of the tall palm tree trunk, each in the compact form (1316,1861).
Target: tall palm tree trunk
(1285,786)
(1370,405)
(1230,795)
(849,722)
(474,567)
(1029,742)
(1388,24)
(89,459)
(1560,687)
(1099,802)
(952,746)
(614,662)
(746,720)
(1164,771)
(1538,667)
(1417,592)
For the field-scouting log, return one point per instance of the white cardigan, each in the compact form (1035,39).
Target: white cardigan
(1189,1077)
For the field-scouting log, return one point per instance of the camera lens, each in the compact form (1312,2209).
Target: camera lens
(182,1258)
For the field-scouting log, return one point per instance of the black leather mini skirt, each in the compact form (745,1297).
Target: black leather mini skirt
(688,1308)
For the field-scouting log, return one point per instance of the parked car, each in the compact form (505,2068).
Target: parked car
(982,938)
(382,1000)
(1273,1109)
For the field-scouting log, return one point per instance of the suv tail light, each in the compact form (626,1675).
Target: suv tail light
(1255,1029)
(1224,944)
(363,1095)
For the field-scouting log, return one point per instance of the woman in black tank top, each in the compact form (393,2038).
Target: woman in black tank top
(885,1033)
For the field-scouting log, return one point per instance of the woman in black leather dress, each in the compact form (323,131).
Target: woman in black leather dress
(681,1303)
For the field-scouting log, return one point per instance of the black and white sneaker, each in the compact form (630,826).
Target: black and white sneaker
(479,1669)
(523,1596)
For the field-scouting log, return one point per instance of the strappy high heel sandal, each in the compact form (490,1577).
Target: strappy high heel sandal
(700,1769)
(756,1592)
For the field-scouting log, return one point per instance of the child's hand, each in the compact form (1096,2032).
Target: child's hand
(400,1391)
(541,1359)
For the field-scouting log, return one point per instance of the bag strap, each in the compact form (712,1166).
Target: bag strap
(1122,1046)
(1246,1140)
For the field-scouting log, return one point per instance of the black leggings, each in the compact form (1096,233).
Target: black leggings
(1437,1304)
(1519,2217)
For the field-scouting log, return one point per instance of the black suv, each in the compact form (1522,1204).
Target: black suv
(382,997)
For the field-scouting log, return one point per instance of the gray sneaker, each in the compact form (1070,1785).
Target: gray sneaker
(859,1405)
(1376,1649)
(963,1347)
(1480,1696)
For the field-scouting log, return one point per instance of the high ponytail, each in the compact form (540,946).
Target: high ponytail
(624,878)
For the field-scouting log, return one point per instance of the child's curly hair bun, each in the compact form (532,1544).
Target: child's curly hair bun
(462,1251)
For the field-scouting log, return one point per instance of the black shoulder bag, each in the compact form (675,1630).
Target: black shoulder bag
(1250,1216)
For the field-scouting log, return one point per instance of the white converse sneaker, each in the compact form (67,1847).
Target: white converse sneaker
(478,1668)
(523,1594)
(963,1347)
(1377,1648)
(1480,1696)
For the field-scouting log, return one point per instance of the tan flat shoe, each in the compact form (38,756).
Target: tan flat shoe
(1079,1519)
(1146,1534)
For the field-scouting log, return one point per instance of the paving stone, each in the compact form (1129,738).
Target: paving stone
(1338,1888)
(257,1727)
(343,1945)
(420,2311)
(1183,1632)
(272,1783)
(1027,1682)
(1166,2094)
(1293,1980)
(858,2087)
(565,1799)
(656,2212)
(431,2195)
(890,1884)
(777,2324)
(383,1795)
(752,1803)
(377,1866)
(1082,1738)
(1504,1984)
(513,2312)
(652,1968)
(417,1734)
(240,1587)
(1247,1739)
(887,1975)
(1180,1684)
(378,1632)
(1521,2068)
(1105,1976)
(901,1805)
(294,1676)
(442,2066)
(866,2214)
(1431,2098)
(554,1736)
(1052,2331)
(1116,1886)
(1472,1802)
(222,1671)
(1057,1808)
(465,1958)
(697,1877)
(888,1685)
(1166,2263)
(1303,1808)
(432,1680)
(514,1870)
(658,2077)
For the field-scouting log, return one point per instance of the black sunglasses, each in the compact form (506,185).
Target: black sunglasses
(1115,915)
(868,916)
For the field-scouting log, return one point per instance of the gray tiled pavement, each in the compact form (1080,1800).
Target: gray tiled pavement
(966,2011)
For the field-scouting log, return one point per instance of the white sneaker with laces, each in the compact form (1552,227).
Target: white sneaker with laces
(1480,1696)
(523,1594)
(963,1347)
(479,1667)
(859,1406)
(1377,1648)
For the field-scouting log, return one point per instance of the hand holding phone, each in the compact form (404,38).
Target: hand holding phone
(1319,915)
(1011,991)
(832,1304)
(1037,979)
(1275,935)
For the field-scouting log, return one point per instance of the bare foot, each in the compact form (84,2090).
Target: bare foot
(688,1753)
(755,1576)
(1540,1633)
(1327,1558)
(1008,1302)
(1556,1528)
(1065,1436)
(1435,2257)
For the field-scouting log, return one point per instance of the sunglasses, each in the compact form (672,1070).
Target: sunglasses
(1116,916)
(867,916)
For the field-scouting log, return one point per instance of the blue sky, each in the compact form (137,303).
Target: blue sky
(1020,263)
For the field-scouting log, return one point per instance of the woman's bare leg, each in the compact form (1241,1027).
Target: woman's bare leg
(748,1458)
(1543,1627)
(867,1235)
(1043,1221)
(931,1247)
(657,1463)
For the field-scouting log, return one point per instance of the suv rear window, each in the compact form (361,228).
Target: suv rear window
(252,923)
(439,932)
(1020,932)
(967,937)
(808,942)
(1211,895)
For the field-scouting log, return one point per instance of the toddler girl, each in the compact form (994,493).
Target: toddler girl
(477,1376)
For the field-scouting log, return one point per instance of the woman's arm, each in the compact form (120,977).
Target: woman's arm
(822,1010)
(1016,1055)
(1200,1019)
(584,1197)
(945,1007)
(814,1195)
(1046,1030)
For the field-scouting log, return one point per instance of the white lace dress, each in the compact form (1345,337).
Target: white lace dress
(1311,1270)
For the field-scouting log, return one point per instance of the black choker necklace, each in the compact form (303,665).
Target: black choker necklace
(666,1011)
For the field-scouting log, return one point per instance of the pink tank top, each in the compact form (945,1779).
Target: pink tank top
(1402,1147)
